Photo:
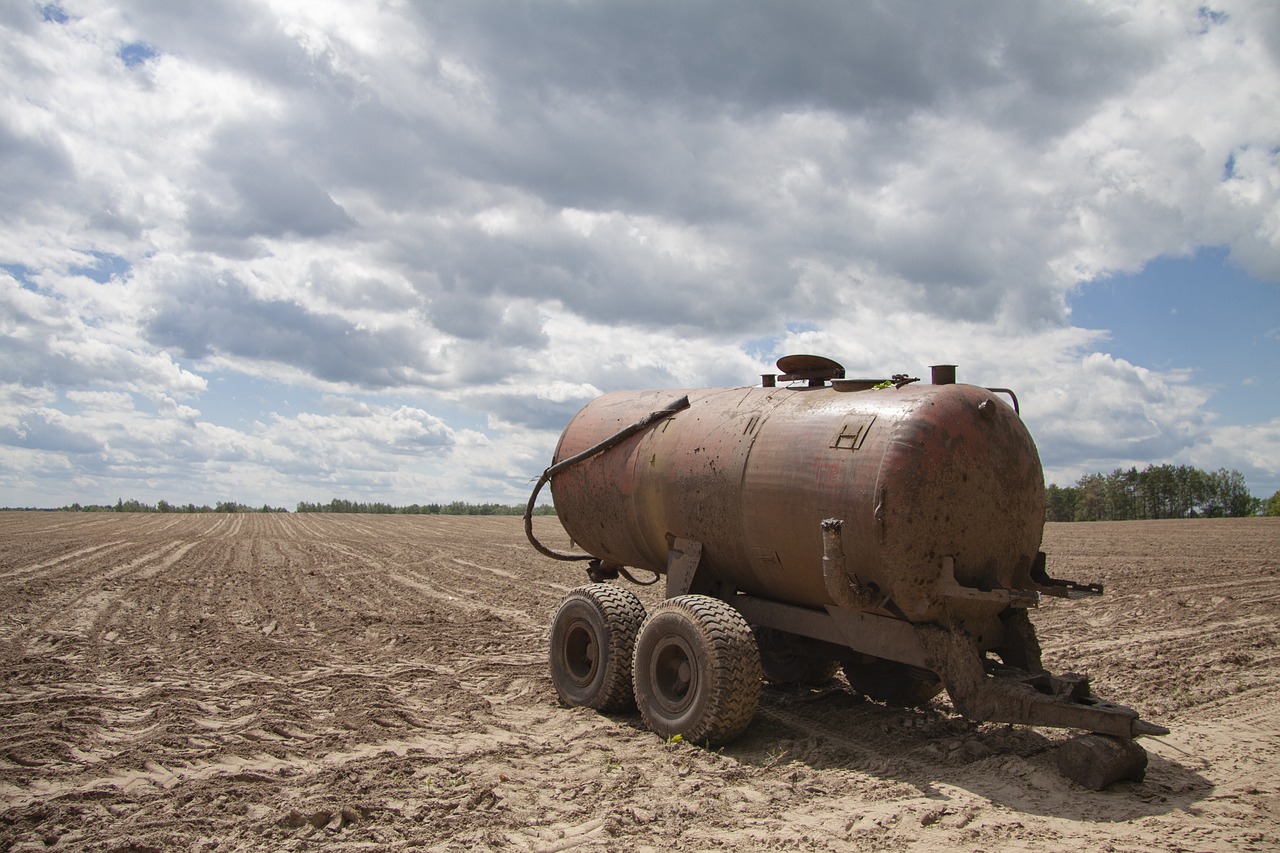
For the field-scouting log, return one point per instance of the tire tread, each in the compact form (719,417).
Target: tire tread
(623,614)
(735,663)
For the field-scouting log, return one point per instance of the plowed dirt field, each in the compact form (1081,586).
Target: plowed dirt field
(298,682)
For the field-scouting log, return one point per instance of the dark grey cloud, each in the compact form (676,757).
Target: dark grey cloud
(24,17)
(200,317)
(603,278)
(883,59)
(1264,19)
(43,430)
(109,218)
(258,192)
(241,36)
(463,314)
(46,342)
(647,110)
(528,411)
(32,165)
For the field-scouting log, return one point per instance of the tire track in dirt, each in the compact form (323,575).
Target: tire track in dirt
(1232,631)
(63,602)
(69,562)
(92,617)
(1188,620)
(251,712)
(259,719)
(105,646)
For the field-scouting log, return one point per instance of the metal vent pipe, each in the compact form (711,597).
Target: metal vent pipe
(943,374)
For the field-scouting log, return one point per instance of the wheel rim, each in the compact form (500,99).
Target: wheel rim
(581,652)
(674,675)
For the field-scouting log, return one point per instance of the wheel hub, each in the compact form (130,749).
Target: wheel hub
(582,653)
(673,675)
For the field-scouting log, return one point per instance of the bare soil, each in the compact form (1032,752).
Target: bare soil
(296,682)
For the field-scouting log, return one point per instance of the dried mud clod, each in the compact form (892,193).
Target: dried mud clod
(1096,761)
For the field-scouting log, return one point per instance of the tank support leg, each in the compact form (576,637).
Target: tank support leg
(682,564)
(686,574)
(1021,647)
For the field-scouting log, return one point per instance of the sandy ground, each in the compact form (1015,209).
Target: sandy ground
(284,682)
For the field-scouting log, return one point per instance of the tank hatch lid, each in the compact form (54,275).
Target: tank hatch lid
(816,369)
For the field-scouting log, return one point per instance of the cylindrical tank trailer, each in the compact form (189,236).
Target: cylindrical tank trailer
(890,526)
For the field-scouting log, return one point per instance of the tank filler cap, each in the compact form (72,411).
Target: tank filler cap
(815,369)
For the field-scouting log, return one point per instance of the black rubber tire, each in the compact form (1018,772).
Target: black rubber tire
(784,662)
(890,681)
(697,670)
(593,637)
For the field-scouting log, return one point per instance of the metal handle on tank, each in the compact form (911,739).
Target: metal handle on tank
(596,449)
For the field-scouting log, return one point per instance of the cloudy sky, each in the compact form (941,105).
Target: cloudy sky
(285,250)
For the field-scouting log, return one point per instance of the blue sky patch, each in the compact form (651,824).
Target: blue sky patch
(137,53)
(22,274)
(53,14)
(1201,313)
(106,266)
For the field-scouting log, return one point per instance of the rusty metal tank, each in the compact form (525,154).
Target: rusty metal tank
(916,472)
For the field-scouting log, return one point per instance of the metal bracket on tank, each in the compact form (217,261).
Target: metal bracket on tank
(949,587)
(685,572)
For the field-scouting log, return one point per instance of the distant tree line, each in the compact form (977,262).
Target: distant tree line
(122,505)
(335,505)
(1158,491)
(454,508)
